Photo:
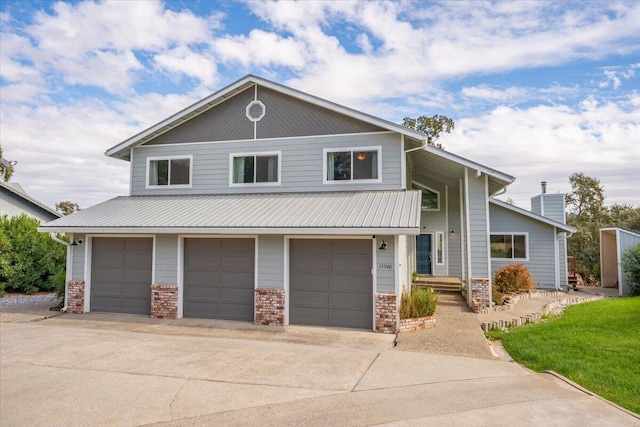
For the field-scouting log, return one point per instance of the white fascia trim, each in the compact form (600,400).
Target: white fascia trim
(469,163)
(325,151)
(531,215)
(283,138)
(403,164)
(137,231)
(254,154)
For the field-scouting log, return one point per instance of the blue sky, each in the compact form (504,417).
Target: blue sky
(538,90)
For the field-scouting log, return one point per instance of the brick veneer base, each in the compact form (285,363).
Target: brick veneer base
(386,313)
(75,297)
(269,306)
(480,293)
(417,324)
(164,301)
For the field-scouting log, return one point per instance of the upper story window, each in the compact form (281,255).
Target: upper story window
(509,246)
(430,198)
(255,169)
(351,165)
(169,171)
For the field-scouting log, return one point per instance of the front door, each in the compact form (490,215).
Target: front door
(423,254)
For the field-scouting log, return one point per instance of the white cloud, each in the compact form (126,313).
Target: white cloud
(183,61)
(260,48)
(549,143)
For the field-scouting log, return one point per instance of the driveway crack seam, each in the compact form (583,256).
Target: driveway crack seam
(175,397)
(365,372)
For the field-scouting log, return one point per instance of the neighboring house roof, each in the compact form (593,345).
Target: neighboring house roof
(532,215)
(121,151)
(375,212)
(16,189)
(623,229)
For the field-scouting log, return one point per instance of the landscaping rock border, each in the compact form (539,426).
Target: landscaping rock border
(555,307)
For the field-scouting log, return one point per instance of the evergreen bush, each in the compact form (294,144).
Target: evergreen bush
(29,261)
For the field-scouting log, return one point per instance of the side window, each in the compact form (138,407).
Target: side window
(509,246)
(169,171)
(348,165)
(252,169)
(430,198)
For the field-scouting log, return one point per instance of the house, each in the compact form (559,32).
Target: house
(263,203)
(614,241)
(15,201)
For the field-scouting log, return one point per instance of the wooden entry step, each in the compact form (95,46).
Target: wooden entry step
(442,283)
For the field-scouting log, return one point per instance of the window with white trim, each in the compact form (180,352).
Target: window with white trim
(439,248)
(255,169)
(349,165)
(430,198)
(509,246)
(169,171)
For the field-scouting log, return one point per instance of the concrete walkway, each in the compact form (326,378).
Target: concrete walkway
(61,371)
(457,332)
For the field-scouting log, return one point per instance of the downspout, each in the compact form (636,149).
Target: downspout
(424,144)
(68,268)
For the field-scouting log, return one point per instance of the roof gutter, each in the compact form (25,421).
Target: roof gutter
(67,268)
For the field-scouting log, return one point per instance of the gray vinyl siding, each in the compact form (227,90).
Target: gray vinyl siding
(14,205)
(301,159)
(386,281)
(627,241)
(224,122)
(540,238)
(77,254)
(478,233)
(287,116)
(166,262)
(271,261)
(551,206)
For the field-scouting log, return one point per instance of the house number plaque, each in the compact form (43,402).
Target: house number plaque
(385,266)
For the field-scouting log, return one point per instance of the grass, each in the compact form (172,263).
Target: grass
(595,344)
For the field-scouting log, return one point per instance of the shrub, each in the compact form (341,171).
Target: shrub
(29,260)
(512,278)
(631,266)
(420,302)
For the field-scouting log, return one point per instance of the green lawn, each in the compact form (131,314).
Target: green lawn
(595,344)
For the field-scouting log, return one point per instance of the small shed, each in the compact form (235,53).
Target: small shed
(614,241)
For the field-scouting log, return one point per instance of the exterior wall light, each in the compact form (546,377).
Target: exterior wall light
(383,246)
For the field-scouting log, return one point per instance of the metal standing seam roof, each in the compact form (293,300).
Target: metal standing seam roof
(395,212)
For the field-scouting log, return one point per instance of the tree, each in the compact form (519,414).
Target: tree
(631,266)
(67,208)
(587,213)
(432,127)
(624,215)
(6,167)
(29,261)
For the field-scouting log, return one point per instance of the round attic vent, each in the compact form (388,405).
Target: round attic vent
(255,111)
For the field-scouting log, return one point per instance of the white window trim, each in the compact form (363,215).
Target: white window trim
(351,181)
(150,159)
(512,233)
(255,184)
(440,236)
(429,189)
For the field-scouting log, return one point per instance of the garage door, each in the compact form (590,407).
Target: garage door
(121,274)
(219,278)
(330,283)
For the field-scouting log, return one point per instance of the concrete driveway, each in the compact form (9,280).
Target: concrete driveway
(106,371)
